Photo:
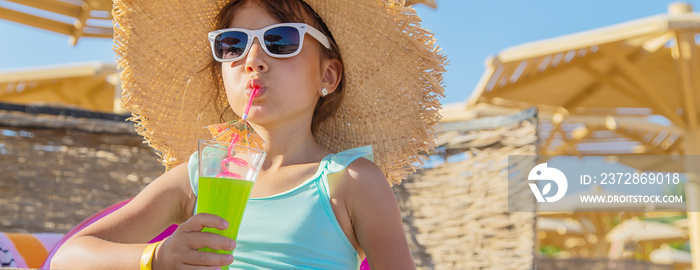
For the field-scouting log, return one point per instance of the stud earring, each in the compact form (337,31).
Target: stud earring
(324,92)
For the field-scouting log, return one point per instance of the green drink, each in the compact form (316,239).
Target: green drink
(227,173)
(226,198)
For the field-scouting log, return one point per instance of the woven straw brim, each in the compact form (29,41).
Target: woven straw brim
(393,73)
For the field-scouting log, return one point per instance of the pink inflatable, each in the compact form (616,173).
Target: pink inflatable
(167,232)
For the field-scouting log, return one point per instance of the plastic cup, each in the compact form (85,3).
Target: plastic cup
(227,173)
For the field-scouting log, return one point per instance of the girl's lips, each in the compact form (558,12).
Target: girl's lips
(252,84)
(249,91)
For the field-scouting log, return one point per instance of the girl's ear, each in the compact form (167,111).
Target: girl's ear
(332,73)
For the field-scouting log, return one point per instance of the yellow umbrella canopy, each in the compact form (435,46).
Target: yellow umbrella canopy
(90,86)
(647,63)
(74,18)
(649,66)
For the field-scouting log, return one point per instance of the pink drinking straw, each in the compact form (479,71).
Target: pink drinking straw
(230,158)
(250,102)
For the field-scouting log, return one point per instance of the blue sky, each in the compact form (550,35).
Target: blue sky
(469,31)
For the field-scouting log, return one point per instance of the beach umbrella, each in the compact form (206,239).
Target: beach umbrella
(680,259)
(640,230)
(596,219)
(238,131)
(647,235)
(88,18)
(649,66)
(89,86)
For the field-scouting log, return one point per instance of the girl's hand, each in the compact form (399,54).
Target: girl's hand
(179,251)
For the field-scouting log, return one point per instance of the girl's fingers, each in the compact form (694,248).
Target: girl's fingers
(203,258)
(199,221)
(196,267)
(210,240)
(183,244)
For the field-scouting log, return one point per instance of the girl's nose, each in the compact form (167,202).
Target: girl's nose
(255,60)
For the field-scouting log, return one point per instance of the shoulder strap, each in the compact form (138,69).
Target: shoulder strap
(338,162)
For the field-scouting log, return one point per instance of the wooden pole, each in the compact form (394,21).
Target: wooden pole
(687,60)
(692,193)
(687,56)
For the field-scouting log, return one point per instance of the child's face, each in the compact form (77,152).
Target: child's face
(290,86)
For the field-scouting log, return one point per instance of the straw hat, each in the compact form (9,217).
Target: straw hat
(393,73)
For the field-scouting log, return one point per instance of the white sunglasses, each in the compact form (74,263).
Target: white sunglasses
(280,40)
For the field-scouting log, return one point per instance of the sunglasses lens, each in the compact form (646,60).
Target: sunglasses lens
(230,45)
(282,40)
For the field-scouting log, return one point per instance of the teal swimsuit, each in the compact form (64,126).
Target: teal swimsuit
(295,229)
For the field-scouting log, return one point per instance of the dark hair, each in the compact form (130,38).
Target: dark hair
(284,11)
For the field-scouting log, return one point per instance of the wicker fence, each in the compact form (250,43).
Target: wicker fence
(59,170)
(456,213)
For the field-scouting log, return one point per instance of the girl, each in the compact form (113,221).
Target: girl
(332,76)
